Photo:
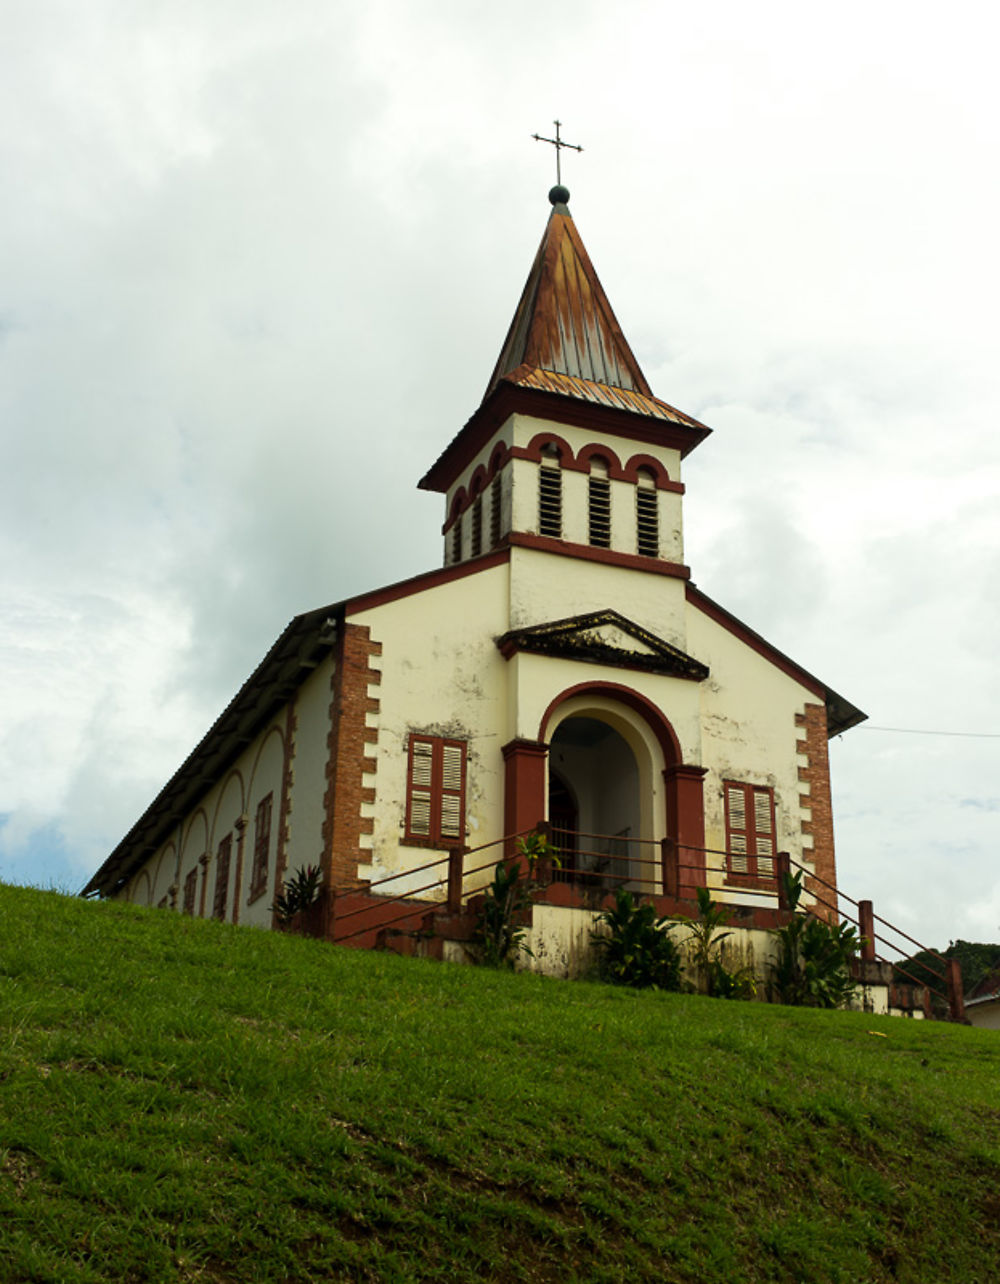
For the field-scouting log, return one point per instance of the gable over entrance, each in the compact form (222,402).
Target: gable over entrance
(604,637)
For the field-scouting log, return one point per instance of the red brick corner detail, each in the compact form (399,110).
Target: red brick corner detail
(813,746)
(351,744)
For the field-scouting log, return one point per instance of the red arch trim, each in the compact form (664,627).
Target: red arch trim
(481,478)
(648,711)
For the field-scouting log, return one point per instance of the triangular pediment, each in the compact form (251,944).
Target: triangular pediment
(604,637)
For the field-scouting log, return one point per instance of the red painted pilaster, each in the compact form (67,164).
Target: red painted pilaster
(525,803)
(686,822)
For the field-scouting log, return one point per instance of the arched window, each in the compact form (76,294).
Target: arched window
(550,493)
(477,526)
(599,504)
(647,514)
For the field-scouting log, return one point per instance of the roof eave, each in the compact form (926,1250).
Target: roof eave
(303,645)
(508,398)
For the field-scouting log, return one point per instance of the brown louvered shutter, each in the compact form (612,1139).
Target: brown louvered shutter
(421,782)
(763,832)
(750,830)
(737,843)
(452,790)
(435,802)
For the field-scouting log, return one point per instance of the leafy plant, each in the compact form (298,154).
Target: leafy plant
(707,951)
(813,968)
(501,928)
(636,948)
(503,921)
(297,893)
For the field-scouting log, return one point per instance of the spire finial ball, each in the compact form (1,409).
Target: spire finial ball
(559,195)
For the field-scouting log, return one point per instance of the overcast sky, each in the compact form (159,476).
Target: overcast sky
(258,258)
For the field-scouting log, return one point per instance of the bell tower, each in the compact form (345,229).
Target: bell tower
(569,451)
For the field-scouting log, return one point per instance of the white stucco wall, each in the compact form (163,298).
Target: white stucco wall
(442,674)
(747,713)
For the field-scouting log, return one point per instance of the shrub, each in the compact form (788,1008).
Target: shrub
(503,921)
(500,932)
(636,948)
(707,950)
(297,893)
(813,968)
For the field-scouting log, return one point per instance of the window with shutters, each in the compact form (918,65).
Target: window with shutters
(261,848)
(435,792)
(647,515)
(496,500)
(222,859)
(550,498)
(477,526)
(750,831)
(599,505)
(190,890)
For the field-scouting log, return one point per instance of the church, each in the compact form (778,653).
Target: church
(560,668)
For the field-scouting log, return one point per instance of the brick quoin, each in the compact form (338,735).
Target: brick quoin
(350,743)
(820,824)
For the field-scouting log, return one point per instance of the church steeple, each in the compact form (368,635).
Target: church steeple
(564,324)
(565,358)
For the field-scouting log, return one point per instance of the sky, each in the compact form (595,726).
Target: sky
(258,258)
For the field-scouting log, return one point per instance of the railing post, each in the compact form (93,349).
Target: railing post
(866,930)
(782,870)
(456,876)
(956,999)
(670,864)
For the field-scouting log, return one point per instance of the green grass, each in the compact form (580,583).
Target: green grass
(181,1100)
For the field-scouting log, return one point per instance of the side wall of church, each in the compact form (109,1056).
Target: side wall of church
(265,811)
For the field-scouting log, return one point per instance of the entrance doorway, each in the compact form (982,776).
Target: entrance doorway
(594,804)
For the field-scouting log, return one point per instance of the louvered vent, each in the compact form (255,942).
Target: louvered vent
(647,522)
(477,526)
(550,500)
(599,512)
(456,540)
(496,500)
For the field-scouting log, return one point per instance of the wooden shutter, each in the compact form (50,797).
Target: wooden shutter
(452,789)
(421,781)
(750,832)
(763,832)
(435,803)
(737,837)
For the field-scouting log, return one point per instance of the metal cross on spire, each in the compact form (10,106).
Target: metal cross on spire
(558,144)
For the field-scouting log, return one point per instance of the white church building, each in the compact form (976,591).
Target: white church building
(561,666)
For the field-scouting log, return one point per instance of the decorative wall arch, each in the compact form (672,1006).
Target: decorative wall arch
(638,462)
(596,450)
(632,699)
(536,448)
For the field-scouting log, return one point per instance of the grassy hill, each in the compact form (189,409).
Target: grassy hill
(181,1100)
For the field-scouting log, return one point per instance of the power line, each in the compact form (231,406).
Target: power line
(914,731)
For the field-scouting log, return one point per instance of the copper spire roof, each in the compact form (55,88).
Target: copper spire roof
(565,337)
(565,357)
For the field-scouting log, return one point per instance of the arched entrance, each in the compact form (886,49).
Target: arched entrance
(594,806)
(671,808)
